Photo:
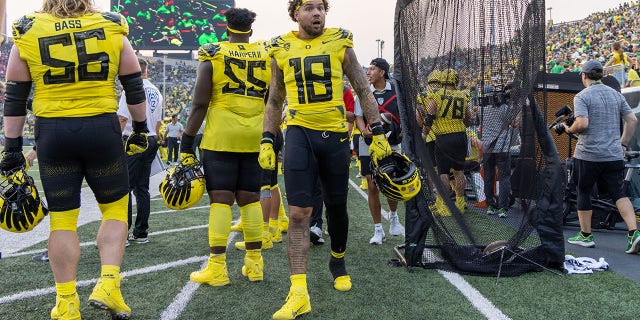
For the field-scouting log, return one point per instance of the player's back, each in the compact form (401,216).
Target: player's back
(73,62)
(241,74)
(451,107)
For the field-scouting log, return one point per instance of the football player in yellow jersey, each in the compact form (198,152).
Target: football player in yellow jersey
(448,118)
(72,54)
(308,66)
(230,91)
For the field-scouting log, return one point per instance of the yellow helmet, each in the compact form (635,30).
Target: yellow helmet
(396,176)
(449,76)
(434,76)
(183,186)
(21,208)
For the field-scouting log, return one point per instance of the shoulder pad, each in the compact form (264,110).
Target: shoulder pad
(277,42)
(207,51)
(338,34)
(22,25)
(345,34)
(113,17)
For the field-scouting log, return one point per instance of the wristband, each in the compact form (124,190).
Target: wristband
(625,146)
(267,137)
(139,126)
(13,144)
(376,128)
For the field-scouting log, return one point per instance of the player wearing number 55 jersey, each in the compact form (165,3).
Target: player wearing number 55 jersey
(447,117)
(307,68)
(72,54)
(230,90)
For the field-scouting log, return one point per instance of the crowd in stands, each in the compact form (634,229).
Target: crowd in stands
(571,44)
(568,46)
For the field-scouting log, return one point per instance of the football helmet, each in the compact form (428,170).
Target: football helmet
(396,176)
(21,208)
(449,76)
(434,77)
(183,186)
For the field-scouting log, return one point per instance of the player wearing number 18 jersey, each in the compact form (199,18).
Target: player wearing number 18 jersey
(307,68)
(72,54)
(230,89)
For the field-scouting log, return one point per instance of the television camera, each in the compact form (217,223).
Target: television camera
(565,113)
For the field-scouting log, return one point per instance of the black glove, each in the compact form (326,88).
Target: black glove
(138,141)
(12,157)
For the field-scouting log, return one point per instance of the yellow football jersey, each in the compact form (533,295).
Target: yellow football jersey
(451,106)
(73,62)
(313,78)
(241,74)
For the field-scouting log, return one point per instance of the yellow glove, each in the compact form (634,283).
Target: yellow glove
(188,159)
(267,157)
(379,147)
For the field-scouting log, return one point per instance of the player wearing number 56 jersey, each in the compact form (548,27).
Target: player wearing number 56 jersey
(72,54)
(230,90)
(447,117)
(307,68)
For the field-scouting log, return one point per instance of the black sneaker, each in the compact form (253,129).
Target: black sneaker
(139,240)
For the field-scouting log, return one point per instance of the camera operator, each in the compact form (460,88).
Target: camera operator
(600,150)
(496,140)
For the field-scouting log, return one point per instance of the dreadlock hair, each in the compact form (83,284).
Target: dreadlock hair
(240,18)
(295,4)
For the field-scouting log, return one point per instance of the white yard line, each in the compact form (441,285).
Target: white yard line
(482,304)
(174,310)
(51,290)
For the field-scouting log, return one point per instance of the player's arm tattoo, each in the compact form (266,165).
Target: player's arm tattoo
(201,98)
(273,112)
(360,84)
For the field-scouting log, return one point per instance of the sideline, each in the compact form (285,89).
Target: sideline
(482,304)
(11,242)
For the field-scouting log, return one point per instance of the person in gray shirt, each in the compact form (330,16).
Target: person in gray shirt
(599,152)
(496,142)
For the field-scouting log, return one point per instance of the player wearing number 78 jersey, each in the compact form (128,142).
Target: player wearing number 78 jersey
(447,117)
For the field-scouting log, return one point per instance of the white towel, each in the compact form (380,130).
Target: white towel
(584,265)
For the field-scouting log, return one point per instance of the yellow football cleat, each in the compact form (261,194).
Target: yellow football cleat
(363,184)
(214,273)
(237,227)
(106,295)
(253,266)
(66,308)
(283,221)
(276,236)
(298,303)
(267,242)
(342,283)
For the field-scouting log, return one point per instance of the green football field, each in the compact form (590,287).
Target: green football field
(157,282)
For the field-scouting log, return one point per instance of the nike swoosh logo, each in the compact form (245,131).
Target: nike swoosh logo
(343,139)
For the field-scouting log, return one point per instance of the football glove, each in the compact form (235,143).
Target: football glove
(379,147)
(138,141)
(267,157)
(12,157)
(188,159)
